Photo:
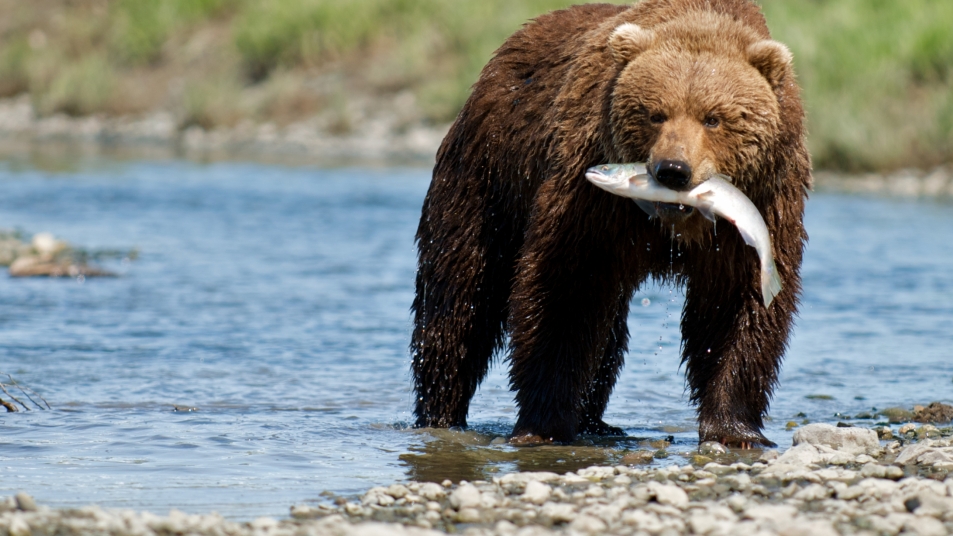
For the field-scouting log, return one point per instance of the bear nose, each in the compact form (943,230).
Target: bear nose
(673,174)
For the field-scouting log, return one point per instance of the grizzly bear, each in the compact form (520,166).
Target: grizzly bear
(514,241)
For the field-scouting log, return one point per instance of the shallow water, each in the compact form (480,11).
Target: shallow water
(276,301)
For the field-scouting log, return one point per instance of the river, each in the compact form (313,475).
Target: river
(275,301)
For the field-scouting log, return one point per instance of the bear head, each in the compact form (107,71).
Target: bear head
(698,95)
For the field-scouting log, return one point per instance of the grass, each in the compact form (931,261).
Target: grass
(877,77)
(877,74)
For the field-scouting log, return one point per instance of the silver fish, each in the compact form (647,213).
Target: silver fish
(716,196)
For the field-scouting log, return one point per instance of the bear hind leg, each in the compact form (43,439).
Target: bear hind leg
(460,310)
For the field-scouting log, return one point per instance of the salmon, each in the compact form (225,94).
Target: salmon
(714,197)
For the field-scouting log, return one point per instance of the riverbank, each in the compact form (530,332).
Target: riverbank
(832,481)
(380,134)
(377,133)
(876,78)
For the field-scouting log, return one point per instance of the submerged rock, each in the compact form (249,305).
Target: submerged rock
(40,266)
(46,256)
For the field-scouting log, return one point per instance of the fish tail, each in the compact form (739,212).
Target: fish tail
(770,282)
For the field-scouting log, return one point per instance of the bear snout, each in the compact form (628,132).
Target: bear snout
(673,174)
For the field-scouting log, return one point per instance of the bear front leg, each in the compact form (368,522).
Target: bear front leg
(733,347)
(571,288)
(608,373)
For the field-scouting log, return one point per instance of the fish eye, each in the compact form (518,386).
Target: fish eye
(711,121)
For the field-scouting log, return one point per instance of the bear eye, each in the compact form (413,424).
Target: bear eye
(712,121)
(657,118)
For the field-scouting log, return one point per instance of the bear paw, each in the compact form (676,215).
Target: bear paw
(733,435)
(598,427)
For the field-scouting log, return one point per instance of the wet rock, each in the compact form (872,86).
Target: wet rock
(596,473)
(928,431)
(851,440)
(712,448)
(639,457)
(935,413)
(897,415)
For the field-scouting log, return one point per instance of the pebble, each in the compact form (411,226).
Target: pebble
(537,492)
(823,486)
(465,496)
(25,502)
(851,440)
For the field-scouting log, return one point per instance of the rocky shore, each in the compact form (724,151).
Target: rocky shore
(375,130)
(833,480)
(905,183)
(46,256)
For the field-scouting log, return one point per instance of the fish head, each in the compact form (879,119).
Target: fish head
(616,178)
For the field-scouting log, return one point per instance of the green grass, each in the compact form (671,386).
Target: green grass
(877,74)
(877,77)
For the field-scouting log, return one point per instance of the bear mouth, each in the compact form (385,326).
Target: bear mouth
(674,210)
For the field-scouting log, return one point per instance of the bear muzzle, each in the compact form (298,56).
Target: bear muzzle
(674,175)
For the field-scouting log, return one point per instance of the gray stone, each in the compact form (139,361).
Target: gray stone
(557,512)
(669,494)
(432,491)
(712,448)
(813,492)
(529,476)
(25,502)
(924,526)
(587,524)
(851,440)
(465,496)
(536,492)
(804,454)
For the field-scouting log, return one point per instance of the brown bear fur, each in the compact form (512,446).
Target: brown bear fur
(513,240)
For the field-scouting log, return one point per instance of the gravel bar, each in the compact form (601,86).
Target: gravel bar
(833,480)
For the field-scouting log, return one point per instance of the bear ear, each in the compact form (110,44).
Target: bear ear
(771,59)
(629,40)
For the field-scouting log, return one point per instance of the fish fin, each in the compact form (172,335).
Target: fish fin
(648,207)
(748,237)
(770,283)
(705,207)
